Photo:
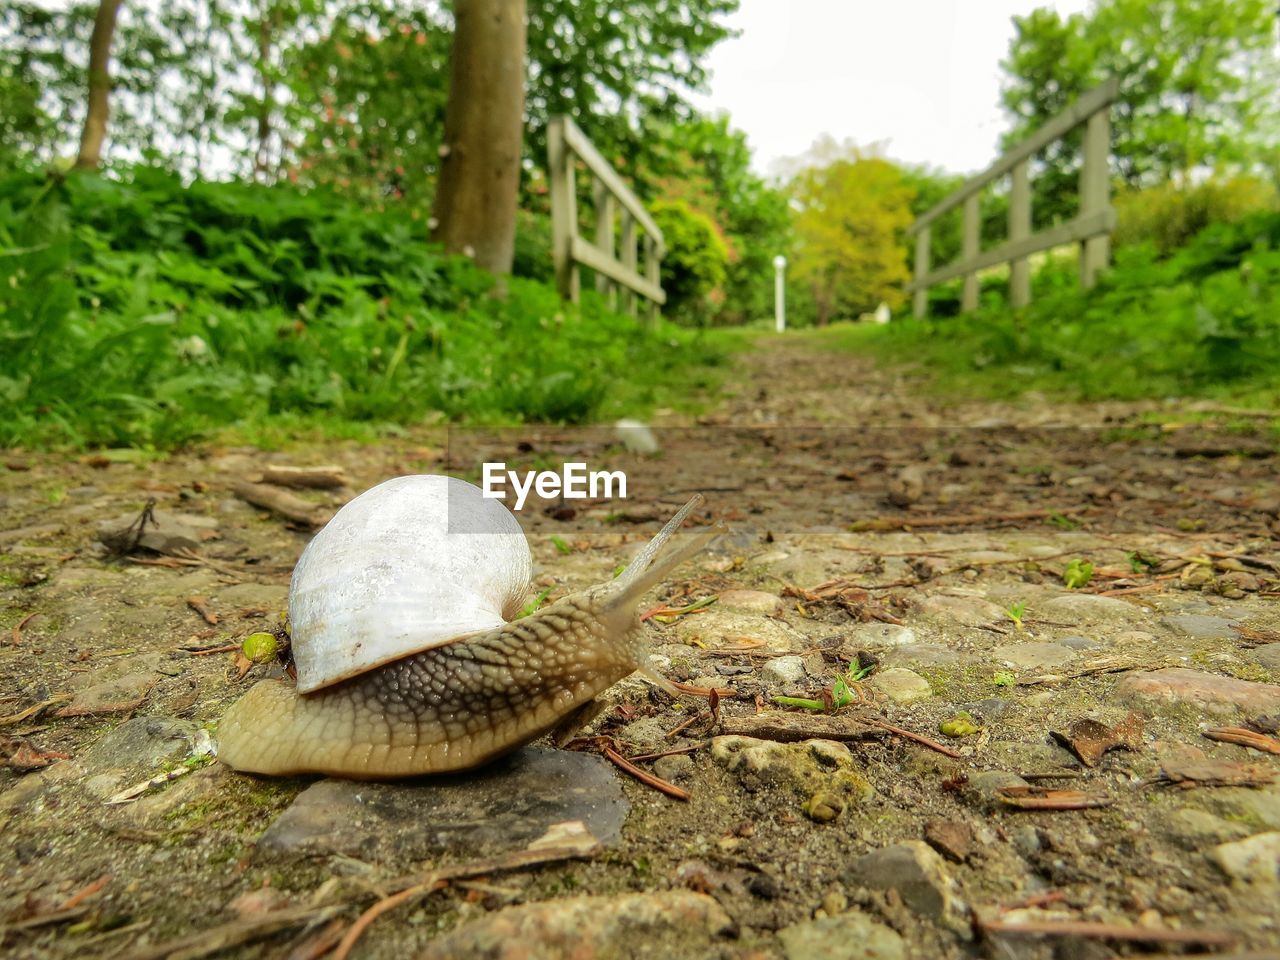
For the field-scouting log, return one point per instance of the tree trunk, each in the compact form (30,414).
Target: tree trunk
(261,156)
(95,118)
(475,204)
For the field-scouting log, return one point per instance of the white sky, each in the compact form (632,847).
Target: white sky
(923,76)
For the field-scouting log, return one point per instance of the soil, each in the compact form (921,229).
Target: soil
(925,540)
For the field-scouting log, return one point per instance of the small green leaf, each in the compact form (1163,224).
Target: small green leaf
(1078,574)
(561,545)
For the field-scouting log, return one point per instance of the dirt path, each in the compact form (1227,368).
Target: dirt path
(870,523)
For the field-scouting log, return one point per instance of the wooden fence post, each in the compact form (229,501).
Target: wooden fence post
(1095,194)
(651,269)
(1020,229)
(920,300)
(629,256)
(564,210)
(969,250)
(604,238)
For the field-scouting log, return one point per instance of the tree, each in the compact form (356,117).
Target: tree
(98,109)
(475,205)
(1198,86)
(851,212)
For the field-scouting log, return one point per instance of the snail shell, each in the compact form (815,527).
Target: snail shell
(408,659)
(413,563)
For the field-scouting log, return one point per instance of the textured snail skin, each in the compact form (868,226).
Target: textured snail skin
(446,708)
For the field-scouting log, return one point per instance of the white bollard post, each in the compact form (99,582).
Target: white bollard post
(779,293)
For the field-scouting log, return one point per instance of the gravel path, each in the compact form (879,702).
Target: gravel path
(1072,796)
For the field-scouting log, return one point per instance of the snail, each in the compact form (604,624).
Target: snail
(409,655)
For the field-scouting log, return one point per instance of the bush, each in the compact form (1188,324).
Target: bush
(146,312)
(1168,216)
(697,260)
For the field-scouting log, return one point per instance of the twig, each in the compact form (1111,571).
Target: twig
(961,520)
(1106,931)
(233,934)
(205,651)
(671,753)
(281,502)
(791,727)
(201,606)
(1042,798)
(922,740)
(84,894)
(622,763)
(317,478)
(704,691)
(34,710)
(1244,738)
(17,627)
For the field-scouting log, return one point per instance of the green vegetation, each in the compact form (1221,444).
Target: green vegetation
(143,312)
(1078,574)
(1204,321)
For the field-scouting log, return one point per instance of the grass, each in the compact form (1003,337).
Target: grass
(1203,322)
(142,312)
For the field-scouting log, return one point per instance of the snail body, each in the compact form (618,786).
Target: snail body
(408,658)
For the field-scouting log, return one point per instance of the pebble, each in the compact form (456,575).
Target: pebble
(806,767)
(665,924)
(1089,608)
(750,601)
(502,807)
(1267,656)
(1195,829)
(986,784)
(1079,643)
(851,935)
(883,634)
(1207,691)
(1253,860)
(674,768)
(1200,627)
(781,671)
(919,876)
(901,685)
(134,750)
(1034,655)
(925,655)
(969,611)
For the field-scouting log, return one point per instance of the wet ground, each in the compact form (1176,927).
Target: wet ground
(1060,742)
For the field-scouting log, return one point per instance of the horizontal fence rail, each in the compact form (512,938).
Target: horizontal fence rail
(613,254)
(1091,227)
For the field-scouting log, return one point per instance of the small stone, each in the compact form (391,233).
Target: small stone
(135,749)
(1206,691)
(781,671)
(113,696)
(901,685)
(674,768)
(850,936)
(883,634)
(969,611)
(646,734)
(1034,656)
(1200,627)
(823,807)
(503,806)
(764,886)
(920,878)
(987,784)
(750,601)
(804,768)
(1078,643)
(951,838)
(1090,608)
(1267,656)
(1253,860)
(835,902)
(1026,840)
(668,923)
(1196,829)
(923,655)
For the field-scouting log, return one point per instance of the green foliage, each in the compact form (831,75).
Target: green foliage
(696,262)
(1168,215)
(1078,574)
(146,312)
(1205,320)
(852,213)
(1197,82)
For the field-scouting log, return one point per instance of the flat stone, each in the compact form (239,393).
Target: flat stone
(1200,627)
(851,935)
(501,807)
(113,696)
(1078,608)
(987,784)
(1267,656)
(1253,860)
(883,634)
(1206,691)
(782,671)
(901,685)
(1034,656)
(1079,643)
(134,751)
(271,597)
(925,655)
(1195,829)
(672,923)
(805,767)
(919,876)
(969,611)
(750,601)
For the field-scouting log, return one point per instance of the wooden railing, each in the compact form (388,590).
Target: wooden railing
(616,264)
(1091,227)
